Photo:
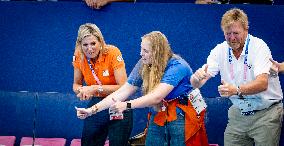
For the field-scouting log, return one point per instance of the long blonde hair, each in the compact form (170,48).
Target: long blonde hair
(85,30)
(160,54)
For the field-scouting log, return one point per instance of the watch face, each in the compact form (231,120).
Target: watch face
(128,105)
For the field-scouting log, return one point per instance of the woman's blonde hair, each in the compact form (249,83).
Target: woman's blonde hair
(234,15)
(160,54)
(85,30)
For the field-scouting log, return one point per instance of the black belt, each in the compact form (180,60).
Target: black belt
(273,104)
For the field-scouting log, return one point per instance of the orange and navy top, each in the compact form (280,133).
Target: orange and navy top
(177,74)
(104,66)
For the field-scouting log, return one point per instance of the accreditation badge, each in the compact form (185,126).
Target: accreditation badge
(115,115)
(246,107)
(197,101)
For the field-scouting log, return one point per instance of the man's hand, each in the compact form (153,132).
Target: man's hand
(226,89)
(274,69)
(201,74)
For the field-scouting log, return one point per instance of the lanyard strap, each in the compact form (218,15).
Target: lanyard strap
(93,72)
(245,61)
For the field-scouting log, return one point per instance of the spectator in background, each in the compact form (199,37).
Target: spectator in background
(276,68)
(164,78)
(102,68)
(204,2)
(97,4)
(33,0)
(267,2)
(243,62)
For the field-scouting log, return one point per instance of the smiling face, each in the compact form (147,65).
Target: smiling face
(146,53)
(235,35)
(91,46)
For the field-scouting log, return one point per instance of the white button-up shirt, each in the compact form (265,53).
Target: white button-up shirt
(258,63)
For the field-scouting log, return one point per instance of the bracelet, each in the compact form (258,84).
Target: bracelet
(100,89)
(94,109)
(239,93)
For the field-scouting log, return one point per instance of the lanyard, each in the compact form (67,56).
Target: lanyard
(245,61)
(93,72)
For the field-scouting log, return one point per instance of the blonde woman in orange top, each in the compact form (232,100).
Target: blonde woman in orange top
(99,70)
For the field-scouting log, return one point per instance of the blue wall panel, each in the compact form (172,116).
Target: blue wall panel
(48,115)
(37,39)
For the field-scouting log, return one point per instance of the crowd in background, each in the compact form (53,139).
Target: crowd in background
(98,4)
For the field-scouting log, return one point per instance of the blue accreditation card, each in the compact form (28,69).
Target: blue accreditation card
(246,107)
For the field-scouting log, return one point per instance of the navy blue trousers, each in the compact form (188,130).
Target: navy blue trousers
(97,127)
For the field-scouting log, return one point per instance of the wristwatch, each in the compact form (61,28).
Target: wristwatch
(239,93)
(128,106)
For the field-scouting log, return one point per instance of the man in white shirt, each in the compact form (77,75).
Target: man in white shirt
(243,63)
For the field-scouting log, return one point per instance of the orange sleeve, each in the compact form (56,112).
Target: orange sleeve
(76,59)
(117,59)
